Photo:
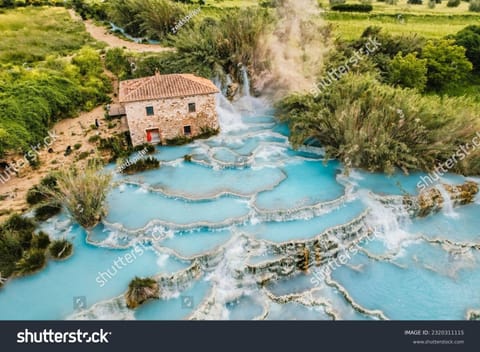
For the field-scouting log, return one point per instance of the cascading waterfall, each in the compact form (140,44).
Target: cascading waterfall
(245,82)
(447,207)
(229,117)
(388,222)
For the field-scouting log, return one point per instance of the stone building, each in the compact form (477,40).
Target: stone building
(163,107)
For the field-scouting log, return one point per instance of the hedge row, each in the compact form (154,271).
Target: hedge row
(352,7)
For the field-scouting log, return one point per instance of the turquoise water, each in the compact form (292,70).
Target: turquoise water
(245,191)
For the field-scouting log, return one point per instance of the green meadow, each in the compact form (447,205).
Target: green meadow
(32,33)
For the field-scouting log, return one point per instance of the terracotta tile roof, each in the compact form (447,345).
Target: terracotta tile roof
(164,86)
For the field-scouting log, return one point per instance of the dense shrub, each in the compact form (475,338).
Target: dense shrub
(22,227)
(149,148)
(378,127)
(469,38)
(142,164)
(34,194)
(207,132)
(179,140)
(151,18)
(90,9)
(408,71)
(352,7)
(41,240)
(453,3)
(32,100)
(94,139)
(415,2)
(474,6)
(16,237)
(10,252)
(446,63)
(60,249)
(82,193)
(118,146)
(31,261)
(116,61)
(213,47)
(46,211)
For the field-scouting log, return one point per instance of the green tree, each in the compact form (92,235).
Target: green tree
(117,62)
(88,61)
(469,38)
(407,71)
(446,63)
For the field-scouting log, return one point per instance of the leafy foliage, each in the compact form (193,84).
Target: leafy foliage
(408,71)
(32,100)
(31,261)
(377,127)
(446,63)
(152,18)
(34,194)
(46,211)
(90,9)
(116,61)
(41,240)
(213,47)
(453,3)
(142,164)
(352,7)
(60,249)
(469,38)
(32,34)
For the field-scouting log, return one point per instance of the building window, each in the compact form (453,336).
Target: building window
(187,130)
(149,110)
(191,107)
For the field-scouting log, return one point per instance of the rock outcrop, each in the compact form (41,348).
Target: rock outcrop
(432,200)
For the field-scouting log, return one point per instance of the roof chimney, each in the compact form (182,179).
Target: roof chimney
(157,72)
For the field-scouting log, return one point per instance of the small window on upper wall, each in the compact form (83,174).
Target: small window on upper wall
(149,110)
(191,107)
(187,130)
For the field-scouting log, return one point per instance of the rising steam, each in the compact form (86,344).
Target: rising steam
(294,50)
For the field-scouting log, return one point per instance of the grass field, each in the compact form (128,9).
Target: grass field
(30,34)
(403,19)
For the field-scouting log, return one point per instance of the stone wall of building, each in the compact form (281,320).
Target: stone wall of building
(170,116)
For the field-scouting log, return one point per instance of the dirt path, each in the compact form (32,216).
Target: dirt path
(102,34)
(68,132)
